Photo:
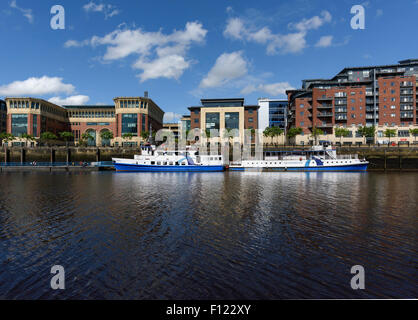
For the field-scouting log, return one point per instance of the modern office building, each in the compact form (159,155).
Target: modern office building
(185,123)
(129,115)
(3,117)
(272,113)
(173,127)
(384,96)
(221,114)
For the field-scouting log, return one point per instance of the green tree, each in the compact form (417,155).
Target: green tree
(276,132)
(414,132)
(389,133)
(66,136)
(341,132)
(145,135)
(294,132)
(367,132)
(106,136)
(48,137)
(127,136)
(316,133)
(6,137)
(28,137)
(85,137)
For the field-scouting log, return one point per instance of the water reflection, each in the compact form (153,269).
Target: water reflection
(208,235)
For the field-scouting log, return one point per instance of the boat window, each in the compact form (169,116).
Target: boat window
(170,163)
(164,163)
(183,163)
(158,163)
(152,162)
(177,163)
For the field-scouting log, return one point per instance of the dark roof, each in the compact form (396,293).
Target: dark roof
(90,106)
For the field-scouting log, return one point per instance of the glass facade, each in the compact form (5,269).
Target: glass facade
(212,120)
(143,123)
(278,114)
(231,120)
(130,123)
(35,126)
(19,124)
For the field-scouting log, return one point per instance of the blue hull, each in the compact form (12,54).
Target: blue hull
(153,168)
(352,168)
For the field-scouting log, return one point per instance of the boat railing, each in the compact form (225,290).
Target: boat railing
(347,156)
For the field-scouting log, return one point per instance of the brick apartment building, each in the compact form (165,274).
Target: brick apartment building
(383,96)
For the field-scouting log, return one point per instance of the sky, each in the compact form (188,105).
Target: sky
(181,51)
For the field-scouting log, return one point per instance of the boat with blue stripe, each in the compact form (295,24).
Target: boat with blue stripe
(318,158)
(154,159)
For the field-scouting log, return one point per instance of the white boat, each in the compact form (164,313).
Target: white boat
(152,159)
(318,158)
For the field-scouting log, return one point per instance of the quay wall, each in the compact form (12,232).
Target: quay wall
(380,158)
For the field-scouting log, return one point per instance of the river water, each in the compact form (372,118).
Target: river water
(231,235)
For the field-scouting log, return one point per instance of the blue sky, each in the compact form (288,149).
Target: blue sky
(181,51)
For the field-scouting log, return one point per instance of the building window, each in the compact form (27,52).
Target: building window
(196,112)
(143,123)
(35,125)
(250,120)
(403,133)
(302,124)
(196,120)
(130,123)
(250,111)
(302,106)
(19,124)
(232,120)
(212,120)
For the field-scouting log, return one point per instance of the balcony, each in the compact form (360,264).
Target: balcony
(406,84)
(369,109)
(407,115)
(340,109)
(407,92)
(340,117)
(340,94)
(325,114)
(371,117)
(324,98)
(340,102)
(324,106)
(407,108)
(407,100)
(325,125)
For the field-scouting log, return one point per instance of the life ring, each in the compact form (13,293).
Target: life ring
(300,159)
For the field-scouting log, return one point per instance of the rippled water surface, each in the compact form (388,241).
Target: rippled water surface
(208,235)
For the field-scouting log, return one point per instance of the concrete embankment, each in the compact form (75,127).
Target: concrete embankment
(28,169)
(380,158)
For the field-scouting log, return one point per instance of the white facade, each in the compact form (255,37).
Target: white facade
(263,113)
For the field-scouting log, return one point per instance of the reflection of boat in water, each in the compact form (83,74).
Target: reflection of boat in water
(317,159)
(152,160)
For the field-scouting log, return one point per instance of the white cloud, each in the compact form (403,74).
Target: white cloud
(292,42)
(228,66)
(70,101)
(158,54)
(324,42)
(107,9)
(273,89)
(171,66)
(312,23)
(36,86)
(172,117)
(27,13)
